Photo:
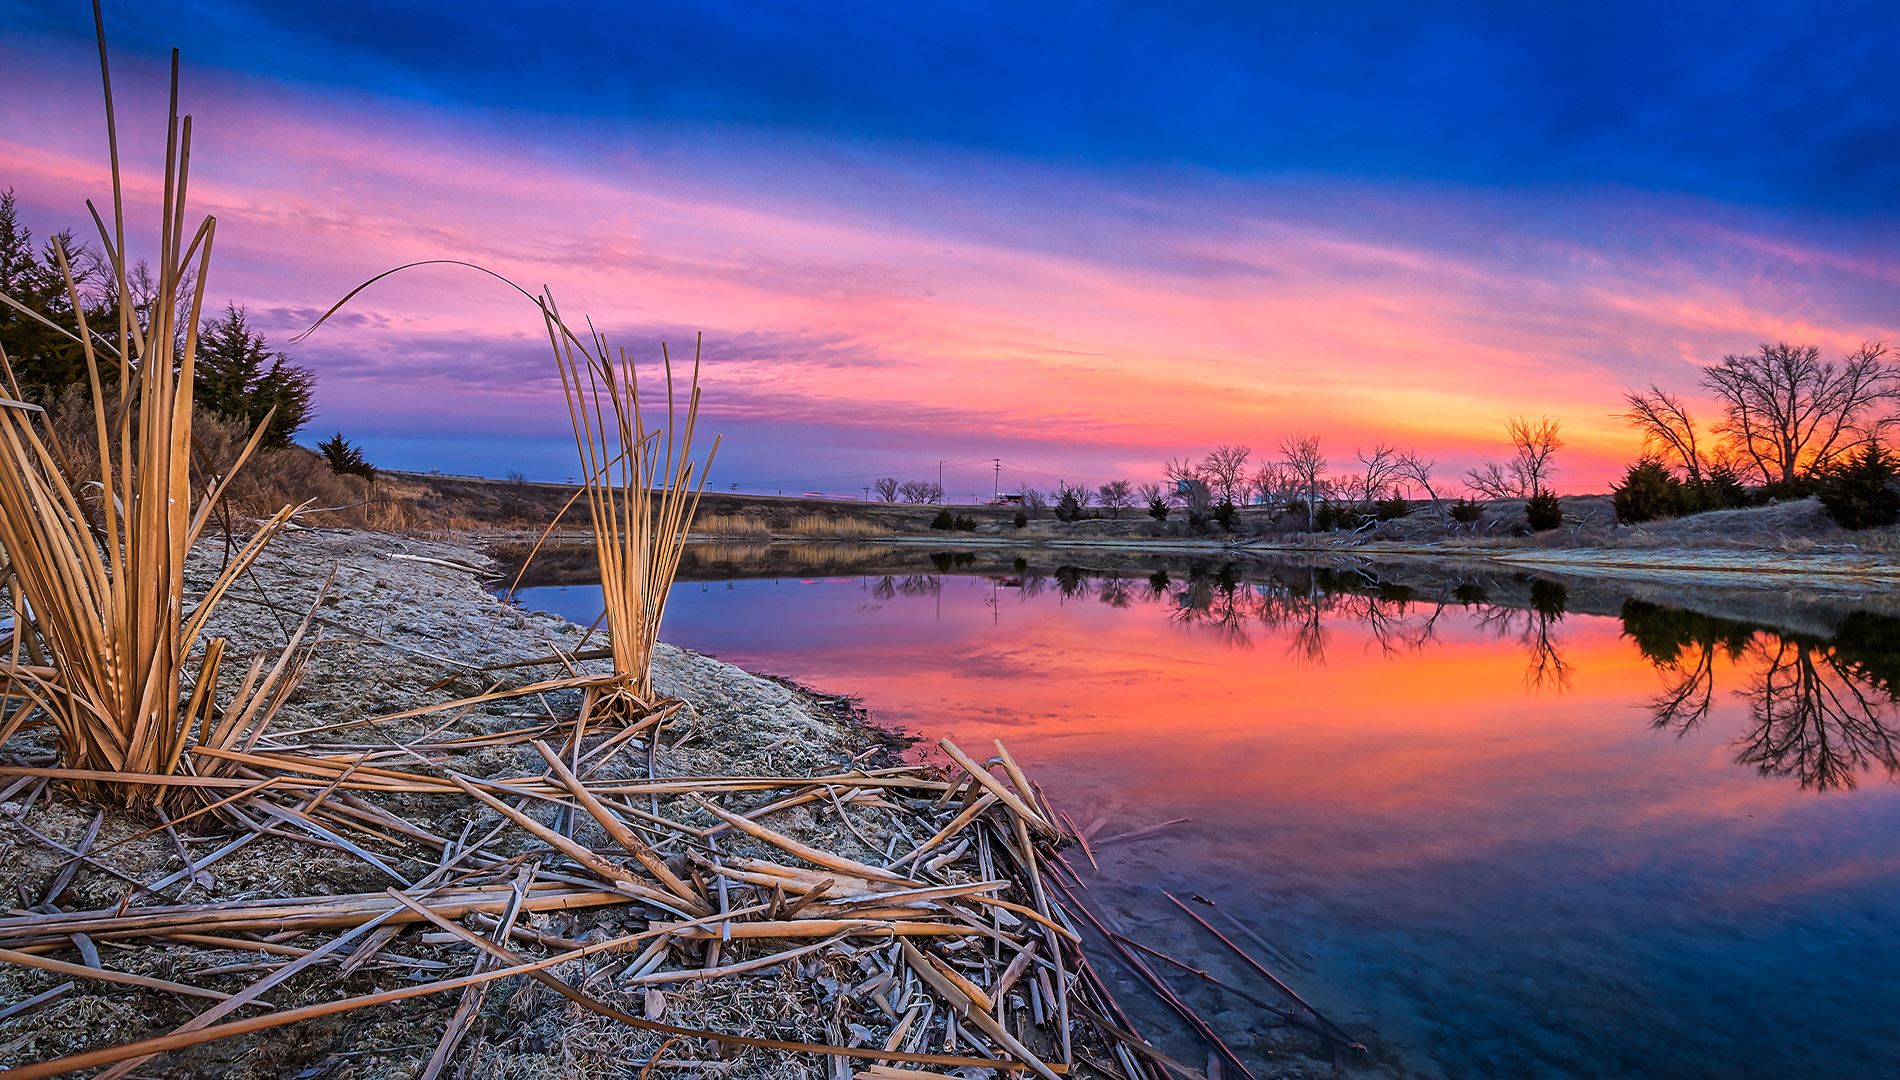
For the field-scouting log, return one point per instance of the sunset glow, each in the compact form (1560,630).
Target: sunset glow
(875,299)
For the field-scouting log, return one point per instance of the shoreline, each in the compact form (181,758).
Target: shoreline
(408,619)
(1766,566)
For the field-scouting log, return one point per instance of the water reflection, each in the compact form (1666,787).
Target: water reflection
(1821,710)
(1496,819)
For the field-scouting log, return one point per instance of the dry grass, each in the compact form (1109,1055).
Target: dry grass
(731,525)
(827,525)
(642,487)
(96,558)
(813,525)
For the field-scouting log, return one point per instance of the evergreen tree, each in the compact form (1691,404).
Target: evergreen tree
(44,360)
(345,458)
(1860,494)
(239,378)
(1648,491)
(1542,511)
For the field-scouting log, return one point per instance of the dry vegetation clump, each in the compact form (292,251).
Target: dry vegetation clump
(641,487)
(104,647)
(805,525)
(731,525)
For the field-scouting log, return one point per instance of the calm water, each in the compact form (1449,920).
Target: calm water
(1495,827)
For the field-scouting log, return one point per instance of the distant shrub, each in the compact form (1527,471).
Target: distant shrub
(1158,508)
(963,523)
(943,520)
(1720,489)
(1859,494)
(1022,519)
(1467,511)
(1330,516)
(1392,509)
(1786,490)
(345,458)
(1648,491)
(1226,514)
(1543,511)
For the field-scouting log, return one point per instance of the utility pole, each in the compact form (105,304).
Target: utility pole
(939,474)
(867,493)
(996,488)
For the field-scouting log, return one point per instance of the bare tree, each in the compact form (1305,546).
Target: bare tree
(1666,427)
(886,488)
(1034,501)
(920,491)
(1377,470)
(1272,483)
(1301,455)
(1225,470)
(1418,470)
(1534,443)
(1495,481)
(1115,495)
(1155,499)
(1182,475)
(1787,411)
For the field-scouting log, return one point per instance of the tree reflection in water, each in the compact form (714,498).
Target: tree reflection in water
(1533,627)
(1820,709)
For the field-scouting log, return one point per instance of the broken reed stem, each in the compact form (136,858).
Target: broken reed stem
(642,489)
(103,584)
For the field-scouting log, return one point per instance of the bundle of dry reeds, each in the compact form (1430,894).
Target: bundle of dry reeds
(103,636)
(642,488)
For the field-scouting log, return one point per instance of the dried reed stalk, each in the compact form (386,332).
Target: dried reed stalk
(100,589)
(642,489)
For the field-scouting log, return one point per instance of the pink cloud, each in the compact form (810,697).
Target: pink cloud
(1098,323)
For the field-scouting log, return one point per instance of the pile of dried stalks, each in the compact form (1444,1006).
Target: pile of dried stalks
(967,961)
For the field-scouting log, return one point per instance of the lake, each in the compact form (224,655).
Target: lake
(1493,824)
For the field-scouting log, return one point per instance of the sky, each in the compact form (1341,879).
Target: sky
(1079,238)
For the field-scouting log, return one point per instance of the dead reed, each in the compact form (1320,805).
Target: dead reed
(642,488)
(103,635)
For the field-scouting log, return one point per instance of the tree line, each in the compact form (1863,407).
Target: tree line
(237,375)
(1298,477)
(1790,424)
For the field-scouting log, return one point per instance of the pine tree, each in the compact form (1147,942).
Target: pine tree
(344,458)
(1860,493)
(44,360)
(1648,491)
(239,378)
